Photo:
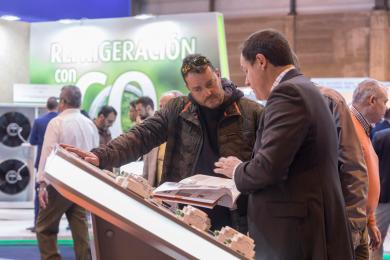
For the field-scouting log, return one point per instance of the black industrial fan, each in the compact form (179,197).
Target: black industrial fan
(14,176)
(14,129)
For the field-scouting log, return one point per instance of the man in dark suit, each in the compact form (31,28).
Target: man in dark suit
(384,124)
(381,143)
(296,208)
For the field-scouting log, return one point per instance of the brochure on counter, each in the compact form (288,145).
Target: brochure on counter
(200,190)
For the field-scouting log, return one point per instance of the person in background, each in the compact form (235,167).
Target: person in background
(384,124)
(352,169)
(368,107)
(69,127)
(145,108)
(153,161)
(381,143)
(296,208)
(164,99)
(213,120)
(106,117)
(36,138)
(133,112)
(351,165)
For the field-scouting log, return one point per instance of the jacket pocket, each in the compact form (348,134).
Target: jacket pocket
(287,209)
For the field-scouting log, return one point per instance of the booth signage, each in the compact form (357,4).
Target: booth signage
(115,61)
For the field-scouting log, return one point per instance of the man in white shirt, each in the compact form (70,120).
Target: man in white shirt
(69,127)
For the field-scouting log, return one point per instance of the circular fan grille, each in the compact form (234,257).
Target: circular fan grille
(14,129)
(14,176)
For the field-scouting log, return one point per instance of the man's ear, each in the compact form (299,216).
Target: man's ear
(371,100)
(261,61)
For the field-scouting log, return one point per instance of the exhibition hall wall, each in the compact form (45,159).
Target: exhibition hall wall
(251,8)
(14,53)
(333,38)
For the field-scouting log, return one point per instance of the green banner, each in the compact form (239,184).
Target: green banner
(114,61)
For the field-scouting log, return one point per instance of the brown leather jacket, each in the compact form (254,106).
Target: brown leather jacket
(352,168)
(178,125)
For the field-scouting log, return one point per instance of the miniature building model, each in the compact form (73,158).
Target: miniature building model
(236,241)
(195,217)
(136,184)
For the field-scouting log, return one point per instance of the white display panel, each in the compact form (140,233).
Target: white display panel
(177,235)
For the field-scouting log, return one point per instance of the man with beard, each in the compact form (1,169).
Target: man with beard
(213,120)
(144,107)
(106,117)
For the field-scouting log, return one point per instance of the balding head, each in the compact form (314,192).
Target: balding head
(164,99)
(370,99)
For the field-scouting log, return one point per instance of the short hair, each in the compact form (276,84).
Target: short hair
(365,89)
(195,63)
(71,95)
(106,110)
(133,103)
(272,44)
(145,101)
(52,103)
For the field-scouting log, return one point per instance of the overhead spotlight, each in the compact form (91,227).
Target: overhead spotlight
(144,16)
(67,21)
(10,17)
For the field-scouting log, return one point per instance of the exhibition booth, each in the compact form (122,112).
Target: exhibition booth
(113,61)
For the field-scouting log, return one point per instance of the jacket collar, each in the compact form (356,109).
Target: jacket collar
(362,120)
(291,74)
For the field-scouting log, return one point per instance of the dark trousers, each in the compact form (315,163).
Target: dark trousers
(362,251)
(36,204)
(48,226)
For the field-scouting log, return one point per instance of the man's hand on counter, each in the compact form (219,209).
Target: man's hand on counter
(87,156)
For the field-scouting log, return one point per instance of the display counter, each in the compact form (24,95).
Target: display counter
(125,225)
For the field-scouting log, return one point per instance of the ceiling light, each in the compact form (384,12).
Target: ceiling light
(143,16)
(10,17)
(67,21)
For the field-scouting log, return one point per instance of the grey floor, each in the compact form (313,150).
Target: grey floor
(15,220)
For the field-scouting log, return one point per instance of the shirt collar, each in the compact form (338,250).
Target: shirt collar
(70,110)
(281,76)
(362,120)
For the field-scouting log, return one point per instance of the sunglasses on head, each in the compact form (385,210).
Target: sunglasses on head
(196,62)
